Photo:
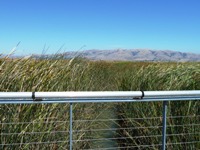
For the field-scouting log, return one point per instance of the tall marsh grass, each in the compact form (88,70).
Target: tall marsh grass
(57,74)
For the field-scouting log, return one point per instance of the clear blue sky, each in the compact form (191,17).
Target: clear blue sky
(99,24)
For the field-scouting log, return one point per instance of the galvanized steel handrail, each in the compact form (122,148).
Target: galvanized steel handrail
(96,97)
(98,94)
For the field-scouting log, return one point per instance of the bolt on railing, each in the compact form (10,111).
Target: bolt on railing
(100,97)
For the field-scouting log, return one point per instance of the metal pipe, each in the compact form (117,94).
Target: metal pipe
(99,94)
(172,93)
(90,94)
(70,127)
(164,127)
(15,95)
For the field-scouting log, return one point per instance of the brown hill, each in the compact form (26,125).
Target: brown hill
(135,55)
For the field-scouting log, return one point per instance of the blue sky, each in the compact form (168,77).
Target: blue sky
(99,24)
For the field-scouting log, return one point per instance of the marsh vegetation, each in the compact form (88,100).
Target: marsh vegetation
(49,122)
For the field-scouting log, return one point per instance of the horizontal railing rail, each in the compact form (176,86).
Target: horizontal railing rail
(101,97)
(102,94)
(98,97)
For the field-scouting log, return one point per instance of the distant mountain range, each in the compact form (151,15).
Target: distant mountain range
(135,55)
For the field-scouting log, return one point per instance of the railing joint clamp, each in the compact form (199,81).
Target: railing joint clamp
(139,98)
(34,98)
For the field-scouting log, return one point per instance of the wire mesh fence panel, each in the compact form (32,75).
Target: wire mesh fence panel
(35,126)
(183,130)
(103,127)
(136,126)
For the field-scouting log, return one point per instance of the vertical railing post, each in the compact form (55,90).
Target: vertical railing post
(164,125)
(70,127)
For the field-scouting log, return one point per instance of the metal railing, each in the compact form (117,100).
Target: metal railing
(73,98)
